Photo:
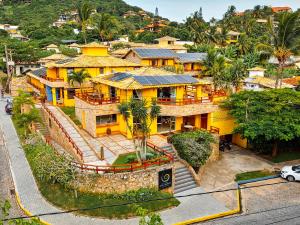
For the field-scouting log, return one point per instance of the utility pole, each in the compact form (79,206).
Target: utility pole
(9,64)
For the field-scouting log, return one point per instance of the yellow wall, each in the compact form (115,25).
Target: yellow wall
(179,121)
(52,73)
(99,51)
(238,140)
(148,62)
(222,120)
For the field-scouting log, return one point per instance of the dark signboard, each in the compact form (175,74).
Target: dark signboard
(165,179)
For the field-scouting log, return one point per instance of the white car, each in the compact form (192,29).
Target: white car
(291,173)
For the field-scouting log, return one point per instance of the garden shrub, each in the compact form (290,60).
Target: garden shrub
(194,147)
(131,159)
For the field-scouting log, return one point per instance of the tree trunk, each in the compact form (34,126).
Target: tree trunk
(275,149)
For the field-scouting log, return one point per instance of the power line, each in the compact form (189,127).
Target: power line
(135,202)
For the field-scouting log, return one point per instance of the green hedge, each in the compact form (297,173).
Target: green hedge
(194,147)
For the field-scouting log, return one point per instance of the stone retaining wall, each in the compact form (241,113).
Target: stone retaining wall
(122,182)
(58,135)
(215,155)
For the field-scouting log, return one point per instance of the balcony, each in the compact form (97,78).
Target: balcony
(184,101)
(97,99)
(54,79)
(186,106)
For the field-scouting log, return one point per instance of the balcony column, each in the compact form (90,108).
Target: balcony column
(54,96)
(179,93)
(199,92)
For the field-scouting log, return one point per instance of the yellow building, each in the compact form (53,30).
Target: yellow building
(183,103)
(53,80)
(233,37)
(154,57)
(191,63)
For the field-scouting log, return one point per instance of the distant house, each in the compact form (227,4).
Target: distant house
(23,67)
(52,58)
(281,9)
(52,47)
(170,43)
(233,37)
(75,46)
(262,83)
(192,62)
(256,72)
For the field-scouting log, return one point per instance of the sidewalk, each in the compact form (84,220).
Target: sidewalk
(32,200)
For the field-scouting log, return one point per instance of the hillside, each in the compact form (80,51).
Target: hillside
(35,18)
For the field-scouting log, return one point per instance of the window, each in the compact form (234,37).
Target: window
(165,124)
(137,94)
(70,71)
(106,119)
(153,62)
(165,62)
(71,93)
(101,70)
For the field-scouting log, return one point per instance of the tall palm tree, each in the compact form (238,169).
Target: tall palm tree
(105,25)
(285,40)
(140,111)
(84,10)
(237,72)
(78,77)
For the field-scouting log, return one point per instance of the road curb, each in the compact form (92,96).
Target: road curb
(238,209)
(27,212)
(217,215)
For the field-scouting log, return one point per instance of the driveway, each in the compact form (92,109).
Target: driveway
(221,174)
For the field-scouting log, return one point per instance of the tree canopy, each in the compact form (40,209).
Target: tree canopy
(270,115)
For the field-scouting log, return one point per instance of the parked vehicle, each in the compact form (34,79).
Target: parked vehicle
(224,144)
(9,107)
(291,173)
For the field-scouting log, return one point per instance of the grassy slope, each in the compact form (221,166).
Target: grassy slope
(65,198)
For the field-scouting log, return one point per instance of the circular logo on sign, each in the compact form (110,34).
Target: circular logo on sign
(165,178)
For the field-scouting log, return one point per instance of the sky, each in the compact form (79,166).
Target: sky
(178,10)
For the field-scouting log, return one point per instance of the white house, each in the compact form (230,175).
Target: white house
(256,72)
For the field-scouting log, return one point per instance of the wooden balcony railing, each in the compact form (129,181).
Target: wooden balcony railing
(54,79)
(96,99)
(184,101)
(219,93)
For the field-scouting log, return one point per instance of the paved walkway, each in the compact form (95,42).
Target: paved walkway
(89,156)
(33,201)
(221,174)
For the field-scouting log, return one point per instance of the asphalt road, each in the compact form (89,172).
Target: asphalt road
(286,215)
(6,181)
(275,203)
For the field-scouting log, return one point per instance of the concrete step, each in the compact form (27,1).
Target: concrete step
(182,172)
(181,169)
(187,184)
(183,180)
(183,176)
(178,190)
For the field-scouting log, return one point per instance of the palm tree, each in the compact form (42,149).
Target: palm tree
(84,10)
(105,25)
(237,73)
(78,77)
(285,40)
(143,115)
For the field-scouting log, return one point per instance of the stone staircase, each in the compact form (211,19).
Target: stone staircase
(169,149)
(184,180)
(41,127)
(89,156)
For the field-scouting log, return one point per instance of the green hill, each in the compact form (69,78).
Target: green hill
(35,18)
